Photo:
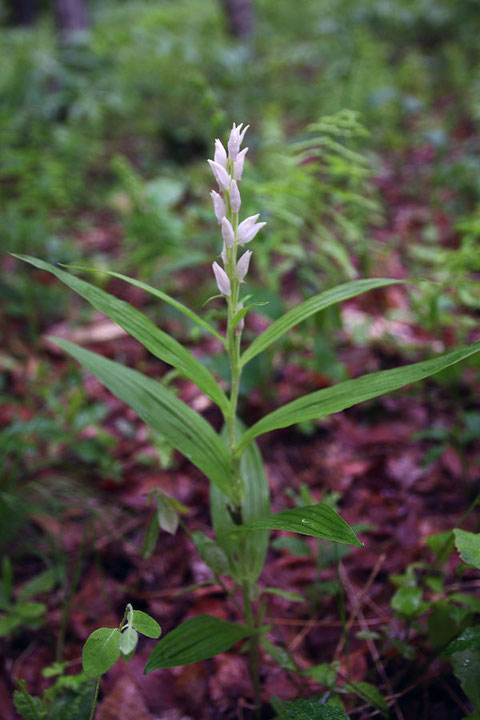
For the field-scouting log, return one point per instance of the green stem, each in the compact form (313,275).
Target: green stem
(254,654)
(95,698)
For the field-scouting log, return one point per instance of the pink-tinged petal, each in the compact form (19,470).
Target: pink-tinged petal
(218,206)
(245,226)
(221,278)
(242,265)
(220,156)
(235,199)
(238,164)
(221,175)
(227,232)
(250,234)
(235,140)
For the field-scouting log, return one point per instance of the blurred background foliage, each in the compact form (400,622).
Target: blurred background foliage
(364,159)
(107,116)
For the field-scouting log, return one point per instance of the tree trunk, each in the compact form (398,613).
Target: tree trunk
(71,17)
(240,17)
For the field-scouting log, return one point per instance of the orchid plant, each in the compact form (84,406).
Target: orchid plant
(231,460)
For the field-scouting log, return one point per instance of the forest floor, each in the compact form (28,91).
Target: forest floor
(369,456)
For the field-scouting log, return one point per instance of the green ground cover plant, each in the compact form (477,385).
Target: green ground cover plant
(231,460)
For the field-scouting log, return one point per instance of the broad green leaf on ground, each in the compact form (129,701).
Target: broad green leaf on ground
(310,307)
(319,521)
(351,392)
(408,601)
(142,329)
(466,666)
(369,693)
(250,554)
(468,639)
(185,429)
(101,651)
(198,638)
(323,674)
(311,710)
(146,625)
(468,545)
(159,294)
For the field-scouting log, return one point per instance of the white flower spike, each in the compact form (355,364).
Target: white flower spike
(221,175)
(218,206)
(227,233)
(235,199)
(221,277)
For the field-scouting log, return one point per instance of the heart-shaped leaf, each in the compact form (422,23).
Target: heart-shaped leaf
(146,624)
(101,651)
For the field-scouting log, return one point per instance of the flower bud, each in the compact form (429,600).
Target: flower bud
(235,140)
(235,199)
(249,234)
(221,175)
(218,206)
(227,232)
(242,265)
(221,277)
(238,164)
(220,156)
(245,228)
(223,254)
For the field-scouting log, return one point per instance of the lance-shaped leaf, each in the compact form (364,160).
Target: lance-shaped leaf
(310,307)
(250,557)
(319,521)
(142,329)
(159,294)
(185,429)
(198,638)
(351,392)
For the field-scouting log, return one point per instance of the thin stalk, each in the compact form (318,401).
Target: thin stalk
(95,698)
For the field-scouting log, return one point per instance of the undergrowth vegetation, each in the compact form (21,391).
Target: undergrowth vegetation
(364,161)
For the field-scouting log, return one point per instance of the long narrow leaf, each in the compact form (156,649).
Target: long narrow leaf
(198,638)
(142,329)
(251,557)
(351,392)
(184,429)
(310,307)
(319,521)
(159,294)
